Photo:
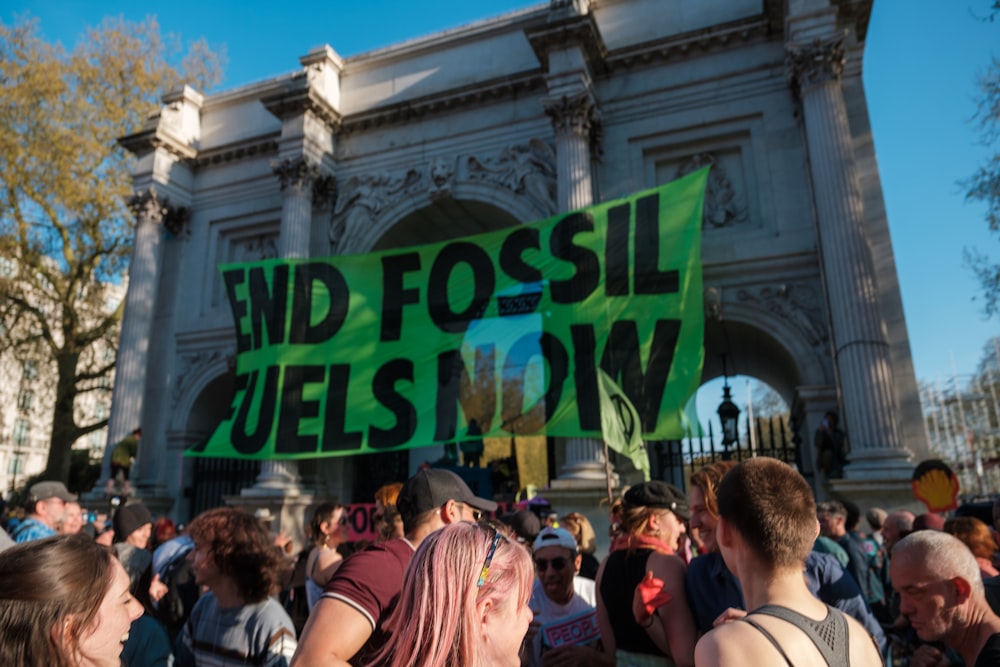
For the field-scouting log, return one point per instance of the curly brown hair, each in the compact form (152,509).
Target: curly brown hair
(242,550)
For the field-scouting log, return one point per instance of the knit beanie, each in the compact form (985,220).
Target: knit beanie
(129,519)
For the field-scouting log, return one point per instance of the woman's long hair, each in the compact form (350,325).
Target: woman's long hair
(50,592)
(436,622)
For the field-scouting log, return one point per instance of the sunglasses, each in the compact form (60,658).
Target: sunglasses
(344,520)
(476,514)
(557,564)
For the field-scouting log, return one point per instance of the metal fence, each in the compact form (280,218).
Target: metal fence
(215,478)
(674,460)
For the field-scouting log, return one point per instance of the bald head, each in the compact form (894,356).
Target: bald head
(897,526)
(943,554)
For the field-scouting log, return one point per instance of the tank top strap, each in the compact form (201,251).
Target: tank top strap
(829,635)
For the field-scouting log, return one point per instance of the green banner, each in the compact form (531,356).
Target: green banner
(495,334)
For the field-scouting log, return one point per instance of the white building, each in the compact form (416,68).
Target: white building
(511,120)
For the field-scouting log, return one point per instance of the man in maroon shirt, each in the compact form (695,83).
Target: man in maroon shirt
(345,625)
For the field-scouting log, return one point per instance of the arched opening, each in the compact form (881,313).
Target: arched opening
(762,425)
(444,220)
(214,478)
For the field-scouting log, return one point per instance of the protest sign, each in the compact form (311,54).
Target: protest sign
(406,347)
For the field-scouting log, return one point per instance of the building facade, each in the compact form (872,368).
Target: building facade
(508,121)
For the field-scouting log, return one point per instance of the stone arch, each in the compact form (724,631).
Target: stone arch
(761,344)
(520,209)
(201,374)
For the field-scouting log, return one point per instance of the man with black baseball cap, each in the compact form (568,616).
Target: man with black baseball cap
(45,507)
(345,625)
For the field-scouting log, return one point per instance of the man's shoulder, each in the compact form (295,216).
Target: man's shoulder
(383,554)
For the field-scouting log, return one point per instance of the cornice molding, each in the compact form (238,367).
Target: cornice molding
(496,90)
(152,137)
(256,147)
(298,97)
(675,47)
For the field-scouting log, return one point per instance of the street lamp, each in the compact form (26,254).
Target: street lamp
(729,414)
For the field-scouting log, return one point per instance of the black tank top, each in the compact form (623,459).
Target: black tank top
(622,573)
(829,635)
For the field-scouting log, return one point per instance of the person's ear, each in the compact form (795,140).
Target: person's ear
(816,531)
(577,562)
(723,533)
(450,513)
(963,588)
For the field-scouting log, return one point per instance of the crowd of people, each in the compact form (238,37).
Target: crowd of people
(745,568)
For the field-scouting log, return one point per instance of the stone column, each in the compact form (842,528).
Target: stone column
(297,176)
(152,213)
(861,349)
(573,120)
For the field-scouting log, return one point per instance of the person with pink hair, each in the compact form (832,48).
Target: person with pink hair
(464,602)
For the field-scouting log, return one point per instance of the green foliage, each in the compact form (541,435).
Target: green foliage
(65,230)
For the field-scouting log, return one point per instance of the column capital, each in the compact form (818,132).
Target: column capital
(147,205)
(298,172)
(816,62)
(573,114)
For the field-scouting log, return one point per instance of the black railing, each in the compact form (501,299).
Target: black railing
(674,460)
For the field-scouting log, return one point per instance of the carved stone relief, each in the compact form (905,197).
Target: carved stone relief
(442,178)
(367,195)
(723,206)
(264,246)
(526,169)
(798,304)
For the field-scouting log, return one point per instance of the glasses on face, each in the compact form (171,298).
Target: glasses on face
(485,572)
(558,564)
(476,514)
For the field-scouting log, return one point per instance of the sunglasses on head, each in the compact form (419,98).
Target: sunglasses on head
(557,564)
(494,543)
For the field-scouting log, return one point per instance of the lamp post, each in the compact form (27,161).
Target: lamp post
(729,415)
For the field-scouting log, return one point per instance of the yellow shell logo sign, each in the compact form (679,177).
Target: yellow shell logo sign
(936,486)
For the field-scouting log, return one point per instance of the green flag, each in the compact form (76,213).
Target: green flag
(408,346)
(620,424)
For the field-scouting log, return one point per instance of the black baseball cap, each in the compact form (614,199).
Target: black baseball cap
(660,495)
(433,487)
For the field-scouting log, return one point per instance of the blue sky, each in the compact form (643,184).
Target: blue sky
(922,60)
